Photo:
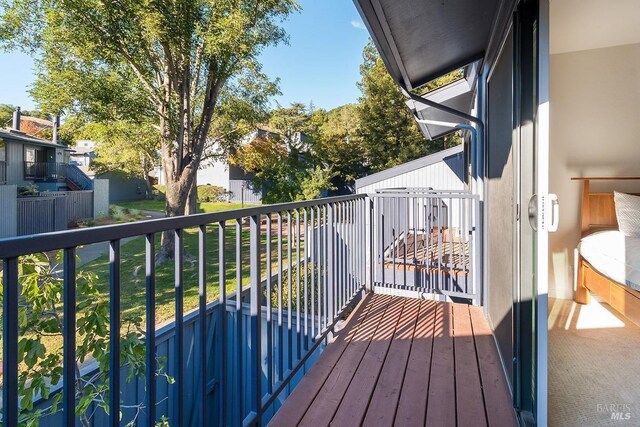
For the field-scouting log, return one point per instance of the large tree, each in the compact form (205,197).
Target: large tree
(181,52)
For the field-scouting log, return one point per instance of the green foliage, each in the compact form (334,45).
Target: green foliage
(167,63)
(315,183)
(338,144)
(278,170)
(210,193)
(124,146)
(41,330)
(440,82)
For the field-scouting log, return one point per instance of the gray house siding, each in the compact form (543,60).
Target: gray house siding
(9,221)
(440,171)
(241,191)
(123,188)
(15,164)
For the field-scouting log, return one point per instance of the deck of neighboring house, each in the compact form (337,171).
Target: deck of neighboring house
(405,361)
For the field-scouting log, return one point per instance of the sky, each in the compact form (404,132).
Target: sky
(320,64)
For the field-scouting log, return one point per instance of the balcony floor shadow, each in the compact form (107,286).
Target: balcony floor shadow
(404,361)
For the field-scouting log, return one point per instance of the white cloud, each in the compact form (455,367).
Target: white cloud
(359,25)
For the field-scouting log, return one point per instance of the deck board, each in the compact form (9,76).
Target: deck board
(356,400)
(412,407)
(384,401)
(405,362)
(335,386)
(441,402)
(469,399)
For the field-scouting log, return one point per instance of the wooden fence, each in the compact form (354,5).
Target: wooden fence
(53,211)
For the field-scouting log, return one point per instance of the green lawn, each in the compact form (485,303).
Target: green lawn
(158,206)
(133,271)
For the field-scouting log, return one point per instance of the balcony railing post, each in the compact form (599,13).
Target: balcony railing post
(331,262)
(10,342)
(69,339)
(369,243)
(256,317)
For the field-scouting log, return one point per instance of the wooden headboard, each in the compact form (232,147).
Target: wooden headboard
(598,211)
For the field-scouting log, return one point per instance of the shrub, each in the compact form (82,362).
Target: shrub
(210,193)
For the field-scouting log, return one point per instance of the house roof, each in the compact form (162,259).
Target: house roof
(21,137)
(457,95)
(421,41)
(40,122)
(409,166)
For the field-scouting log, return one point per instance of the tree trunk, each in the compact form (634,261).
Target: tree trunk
(149,182)
(177,194)
(192,199)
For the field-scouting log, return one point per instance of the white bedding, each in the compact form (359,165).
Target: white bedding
(614,255)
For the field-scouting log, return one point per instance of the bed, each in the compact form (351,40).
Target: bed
(608,261)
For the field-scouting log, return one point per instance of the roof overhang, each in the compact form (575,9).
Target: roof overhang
(457,95)
(422,40)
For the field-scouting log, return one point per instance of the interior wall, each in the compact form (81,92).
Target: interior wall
(594,131)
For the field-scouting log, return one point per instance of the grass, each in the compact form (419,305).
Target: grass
(159,206)
(133,271)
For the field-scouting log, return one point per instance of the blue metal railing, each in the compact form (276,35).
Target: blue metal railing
(427,242)
(293,302)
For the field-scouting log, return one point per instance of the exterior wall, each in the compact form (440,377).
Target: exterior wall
(241,192)
(100,197)
(123,188)
(446,174)
(595,100)
(9,223)
(15,164)
(214,173)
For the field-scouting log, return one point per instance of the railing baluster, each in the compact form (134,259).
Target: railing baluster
(114,333)
(69,336)
(270,366)
(306,267)
(179,331)
(239,342)
(289,293)
(331,267)
(326,270)
(312,245)
(320,267)
(298,299)
(10,342)
(222,289)
(280,317)
(150,379)
(202,289)
(255,295)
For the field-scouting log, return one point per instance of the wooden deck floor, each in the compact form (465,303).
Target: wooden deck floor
(406,362)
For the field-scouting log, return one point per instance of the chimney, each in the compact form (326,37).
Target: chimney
(56,125)
(16,119)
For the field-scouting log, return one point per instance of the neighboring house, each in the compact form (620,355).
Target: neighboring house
(27,160)
(233,179)
(60,192)
(83,153)
(122,188)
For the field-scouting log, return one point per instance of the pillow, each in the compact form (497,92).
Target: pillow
(628,213)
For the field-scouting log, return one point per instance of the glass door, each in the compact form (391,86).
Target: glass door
(535,211)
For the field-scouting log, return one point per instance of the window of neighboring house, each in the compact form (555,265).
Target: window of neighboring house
(3,151)
(32,154)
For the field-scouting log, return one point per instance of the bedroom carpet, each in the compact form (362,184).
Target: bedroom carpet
(594,368)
